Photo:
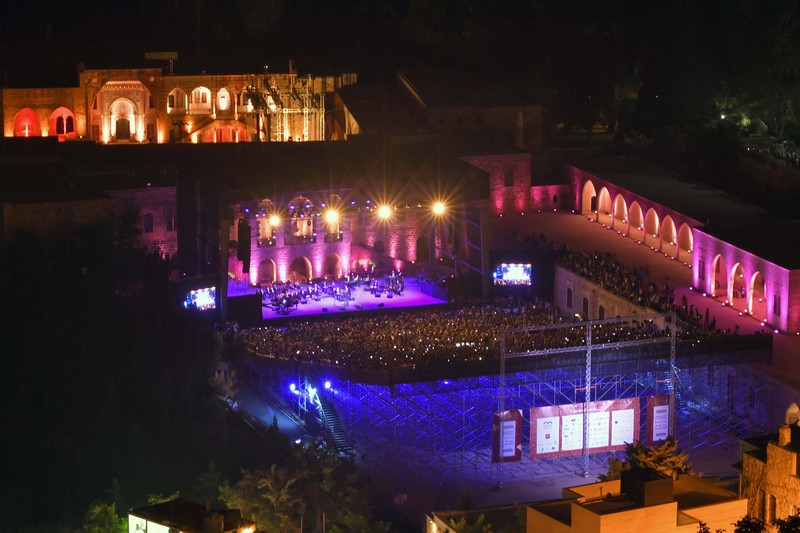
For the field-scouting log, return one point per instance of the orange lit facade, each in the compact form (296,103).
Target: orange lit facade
(146,106)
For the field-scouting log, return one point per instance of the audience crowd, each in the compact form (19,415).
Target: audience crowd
(469,334)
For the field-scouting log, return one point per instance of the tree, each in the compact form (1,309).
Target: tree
(462,526)
(102,518)
(790,524)
(315,482)
(749,524)
(666,458)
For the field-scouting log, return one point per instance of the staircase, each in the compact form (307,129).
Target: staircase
(332,423)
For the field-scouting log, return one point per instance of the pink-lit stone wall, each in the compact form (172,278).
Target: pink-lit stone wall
(542,197)
(777,280)
(513,199)
(630,214)
(399,235)
(161,204)
(283,255)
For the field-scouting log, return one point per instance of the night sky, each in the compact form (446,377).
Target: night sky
(42,41)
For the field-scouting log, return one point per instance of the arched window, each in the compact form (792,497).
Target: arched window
(60,125)
(569,298)
(586,308)
(70,124)
(601,312)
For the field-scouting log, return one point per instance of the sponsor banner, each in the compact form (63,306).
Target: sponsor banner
(558,430)
(507,436)
(658,417)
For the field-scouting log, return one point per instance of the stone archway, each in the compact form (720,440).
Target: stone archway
(651,228)
(620,215)
(685,243)
(123,119)
(26,123)
(719,278)
(333,267)
(62,123)
(756,301)
(300,270)
(738,287)
(266,271)
(588,199)
(604,214)
(636,221)
(669,237)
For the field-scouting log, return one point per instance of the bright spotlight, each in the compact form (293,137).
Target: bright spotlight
(292,387)
(274,221)
(327,385)
(384,212)
(312,392)
(438,208)
(331,216)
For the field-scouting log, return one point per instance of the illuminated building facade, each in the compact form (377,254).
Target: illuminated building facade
(147,106)
(188,517)
(739,254)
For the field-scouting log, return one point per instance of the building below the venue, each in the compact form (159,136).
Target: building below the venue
(187,517)
(643,500)
(770,472)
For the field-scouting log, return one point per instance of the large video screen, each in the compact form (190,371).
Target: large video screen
(513,274)
(201,299)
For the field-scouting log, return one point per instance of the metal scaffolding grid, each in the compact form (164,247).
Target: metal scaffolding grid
(430,431)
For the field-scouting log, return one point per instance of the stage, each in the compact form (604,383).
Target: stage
(414,294)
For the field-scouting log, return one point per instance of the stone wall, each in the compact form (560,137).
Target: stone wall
(581,288)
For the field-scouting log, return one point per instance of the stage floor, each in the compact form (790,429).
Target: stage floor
(363,301)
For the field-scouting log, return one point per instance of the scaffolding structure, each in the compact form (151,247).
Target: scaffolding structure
(433,430)
(276,100)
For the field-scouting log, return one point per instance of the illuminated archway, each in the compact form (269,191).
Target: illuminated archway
(588,199)
(738,290)
(333,267)
(301,220)
(62,123)
(604,215)
(266,271)
(123,119)
(176,101)
(651,228)
(669,236)
(620,214)
(300,270)
(26,123)
(756,302)
(224,100)
(719,278)
(685,243)
(636,221)
(200,101)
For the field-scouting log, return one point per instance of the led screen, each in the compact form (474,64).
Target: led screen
(512,274)
(201,299)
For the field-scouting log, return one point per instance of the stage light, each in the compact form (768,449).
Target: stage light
(439,208)
(274,221)
(327,385)
(384,212)
(292,387)
(312,392)
(331,216)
